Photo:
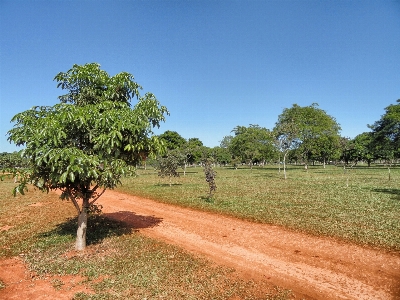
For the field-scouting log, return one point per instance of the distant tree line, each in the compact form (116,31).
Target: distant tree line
(12,160)
(302,135)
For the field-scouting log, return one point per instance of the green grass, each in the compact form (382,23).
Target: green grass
(119,262)
(28,220)
(359,205)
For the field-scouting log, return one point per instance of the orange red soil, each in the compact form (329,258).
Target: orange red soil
(312,267)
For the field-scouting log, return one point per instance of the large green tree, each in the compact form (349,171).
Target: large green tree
(363,149)
(324,148)
(386,133)
(195,151)
(83,145)
(226,141)
(220,155)
(252,144)
(309,129)
(172,139)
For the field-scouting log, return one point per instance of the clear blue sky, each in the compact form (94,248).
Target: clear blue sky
(214,64)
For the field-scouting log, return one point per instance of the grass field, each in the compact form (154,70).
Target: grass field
(119,263)
(360,205)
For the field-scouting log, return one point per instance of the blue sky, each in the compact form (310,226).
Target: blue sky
(214,64)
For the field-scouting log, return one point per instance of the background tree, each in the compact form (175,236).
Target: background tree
(386,134)
(196,151)
(305,127)
(13,164)
(364,147)
(221,155)
(169,164)
(347,150)
(386,131)
(12,160)
(172,140)
(325,148)
(252,144)
(319,131)
(88,141)
(226,141)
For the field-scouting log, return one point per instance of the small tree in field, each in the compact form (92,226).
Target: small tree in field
(83,145)
(169,164)
(210,176)
(286,133)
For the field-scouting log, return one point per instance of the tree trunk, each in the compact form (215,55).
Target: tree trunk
(82,225)
(279,163)
(284,165)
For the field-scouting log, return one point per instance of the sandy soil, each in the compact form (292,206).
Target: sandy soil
(312,267)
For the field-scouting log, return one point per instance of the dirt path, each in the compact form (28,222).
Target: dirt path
(312,267)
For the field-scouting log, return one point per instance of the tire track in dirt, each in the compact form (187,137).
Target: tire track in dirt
(312,267)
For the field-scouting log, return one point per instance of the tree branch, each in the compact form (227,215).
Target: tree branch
(73,200)
(95,188)
(98,196)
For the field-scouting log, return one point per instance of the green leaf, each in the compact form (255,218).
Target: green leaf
(72,176)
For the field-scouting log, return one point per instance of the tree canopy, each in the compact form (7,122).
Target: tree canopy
(363,147)
(172,139)
(308,128)
(309,131)
(253,143)
(90,139)
(386,133)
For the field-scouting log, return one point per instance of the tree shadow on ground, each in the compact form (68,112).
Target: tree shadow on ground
(101,226)
(207,199)
(395,192)
(267,175)
(187,172)
(167,184)
(134,221)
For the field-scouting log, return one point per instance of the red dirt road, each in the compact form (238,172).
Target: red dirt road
(21,284)
(312,267)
